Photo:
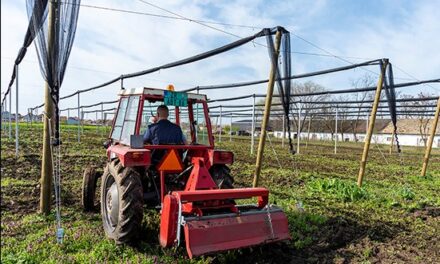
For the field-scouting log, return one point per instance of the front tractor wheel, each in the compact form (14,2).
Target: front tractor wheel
(121,202)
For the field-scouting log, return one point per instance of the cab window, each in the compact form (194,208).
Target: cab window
(125,123)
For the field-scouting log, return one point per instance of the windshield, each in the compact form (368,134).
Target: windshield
(198,125)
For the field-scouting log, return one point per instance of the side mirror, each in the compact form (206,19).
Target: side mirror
(107,143)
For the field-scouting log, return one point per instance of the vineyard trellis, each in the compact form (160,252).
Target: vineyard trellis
(336,107)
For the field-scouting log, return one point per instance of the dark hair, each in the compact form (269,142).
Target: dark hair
(163,108)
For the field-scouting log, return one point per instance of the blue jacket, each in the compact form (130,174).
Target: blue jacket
(164,132)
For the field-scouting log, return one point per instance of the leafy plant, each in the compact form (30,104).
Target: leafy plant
(406,193)
(341,189)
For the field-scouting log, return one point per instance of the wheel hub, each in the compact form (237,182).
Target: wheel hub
(112,204)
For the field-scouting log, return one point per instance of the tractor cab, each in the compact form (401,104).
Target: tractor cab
(190,183)
(137,109)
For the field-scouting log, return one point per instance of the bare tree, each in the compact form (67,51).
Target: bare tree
(310,106)
(422,119)
(366,80)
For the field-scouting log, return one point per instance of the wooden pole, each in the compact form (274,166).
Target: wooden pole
(431,139)
(267,107)
(392,142)
(371,123)
(46,162)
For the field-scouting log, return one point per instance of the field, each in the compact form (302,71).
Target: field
(394,218)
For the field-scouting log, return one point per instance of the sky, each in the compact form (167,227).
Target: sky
(110,43)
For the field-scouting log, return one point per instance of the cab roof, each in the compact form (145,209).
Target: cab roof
(157,91)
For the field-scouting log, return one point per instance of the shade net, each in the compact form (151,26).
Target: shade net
(36,21)
(53,46)
(390,93)
(282,73)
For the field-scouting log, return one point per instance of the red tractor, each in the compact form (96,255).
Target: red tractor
(190,184)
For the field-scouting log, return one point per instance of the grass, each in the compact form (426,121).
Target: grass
(394,217)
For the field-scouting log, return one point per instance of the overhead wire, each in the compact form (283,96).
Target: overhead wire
(203,23)
(198,21)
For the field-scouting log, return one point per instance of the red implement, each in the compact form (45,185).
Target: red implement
(218,233)
(208,231)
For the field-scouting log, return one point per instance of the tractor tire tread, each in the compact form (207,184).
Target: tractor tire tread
(130,202)
(90,177)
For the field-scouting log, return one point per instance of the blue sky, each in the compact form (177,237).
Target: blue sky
(111,43)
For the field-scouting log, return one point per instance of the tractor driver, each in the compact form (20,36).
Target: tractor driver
(164,132)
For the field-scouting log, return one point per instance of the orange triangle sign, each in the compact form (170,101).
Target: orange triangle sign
(171,162)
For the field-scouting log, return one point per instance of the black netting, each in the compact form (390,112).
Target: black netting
(282,76)
(54,46)
(390,93)
(36,20)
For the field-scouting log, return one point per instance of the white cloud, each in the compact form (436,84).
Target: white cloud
(114,43)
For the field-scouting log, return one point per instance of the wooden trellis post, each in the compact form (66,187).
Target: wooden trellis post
(392,142)
(267,107)
(46,162)
(371,122)
(431,139)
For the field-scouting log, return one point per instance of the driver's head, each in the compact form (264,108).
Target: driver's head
(162,112)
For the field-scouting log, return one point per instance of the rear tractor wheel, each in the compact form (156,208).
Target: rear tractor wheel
(90,179)
(121,202)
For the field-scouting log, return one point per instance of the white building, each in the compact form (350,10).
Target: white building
(408,133)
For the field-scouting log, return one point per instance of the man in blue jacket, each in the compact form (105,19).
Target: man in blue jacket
(164,132)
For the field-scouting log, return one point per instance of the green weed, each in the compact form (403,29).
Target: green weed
(340,189)
(406,193)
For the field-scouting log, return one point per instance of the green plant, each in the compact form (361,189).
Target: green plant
(406,193)
(341,189)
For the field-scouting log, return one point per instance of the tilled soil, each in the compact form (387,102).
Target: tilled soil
(350,232)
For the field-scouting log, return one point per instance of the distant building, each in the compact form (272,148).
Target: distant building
(72,121)
(6,114)
(245,126)
(408,132)
(32,118)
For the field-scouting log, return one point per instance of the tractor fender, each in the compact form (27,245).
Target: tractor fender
(129,157)
(220,156)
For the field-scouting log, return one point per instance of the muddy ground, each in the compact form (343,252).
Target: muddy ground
(394,218)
